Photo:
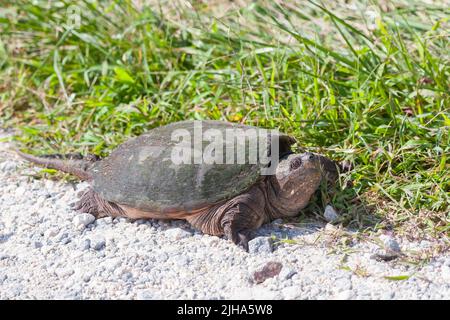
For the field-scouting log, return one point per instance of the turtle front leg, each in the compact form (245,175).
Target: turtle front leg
(235,222)
(236,218)
(237,229)
(242,215)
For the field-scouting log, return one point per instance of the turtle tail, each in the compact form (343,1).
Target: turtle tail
(74,164)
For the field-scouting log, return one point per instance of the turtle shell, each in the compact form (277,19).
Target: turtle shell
(141,173)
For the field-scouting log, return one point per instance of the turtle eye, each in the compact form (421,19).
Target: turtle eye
(295,163)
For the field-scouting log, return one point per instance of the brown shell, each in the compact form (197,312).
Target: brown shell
(141,174)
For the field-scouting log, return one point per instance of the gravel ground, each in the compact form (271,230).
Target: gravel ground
(48,251)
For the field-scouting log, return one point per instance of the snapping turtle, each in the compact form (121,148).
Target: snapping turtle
(140,179)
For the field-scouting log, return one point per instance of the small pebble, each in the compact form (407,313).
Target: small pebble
(177,233)
(260,245)
(85,244)
(8,166)
(390,243)
(269,270)
(287,273)
(49,233)
(37,244)
(97,243)
(82,220)
(145,295)
(330,214)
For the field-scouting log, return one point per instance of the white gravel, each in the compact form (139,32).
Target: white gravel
(48,251)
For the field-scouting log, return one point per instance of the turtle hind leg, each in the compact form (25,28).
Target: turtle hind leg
(91,202)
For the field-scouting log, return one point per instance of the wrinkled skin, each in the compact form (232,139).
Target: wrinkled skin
(221,211)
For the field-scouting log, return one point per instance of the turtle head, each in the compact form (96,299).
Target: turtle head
(298,177)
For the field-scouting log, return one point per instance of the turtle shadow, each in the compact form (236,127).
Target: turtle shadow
(288,230)
(354,215)
(353,211)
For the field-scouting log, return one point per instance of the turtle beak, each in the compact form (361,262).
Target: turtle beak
(329,168)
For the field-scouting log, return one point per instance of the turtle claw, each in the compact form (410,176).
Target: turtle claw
(242,242)
(241,239)
(75,206)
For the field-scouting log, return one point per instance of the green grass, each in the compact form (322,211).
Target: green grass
(371,92)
